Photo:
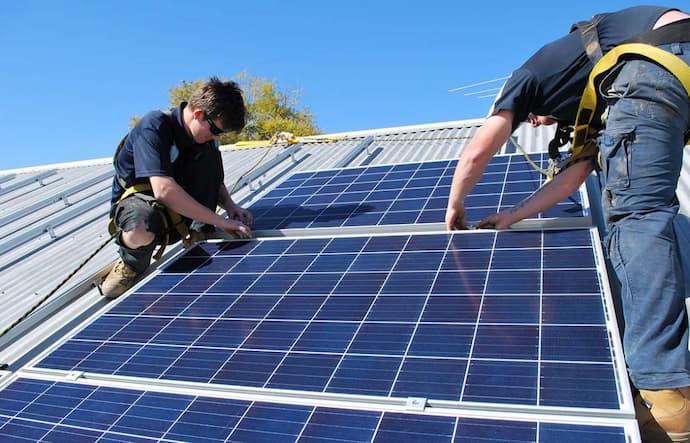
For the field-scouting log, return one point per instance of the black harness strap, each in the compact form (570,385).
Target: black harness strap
(590,37)
(678,31)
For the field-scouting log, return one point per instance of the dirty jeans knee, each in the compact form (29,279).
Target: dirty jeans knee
(130,213)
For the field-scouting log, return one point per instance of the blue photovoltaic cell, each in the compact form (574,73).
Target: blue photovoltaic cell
(39,410)
(472,316)
(399,194)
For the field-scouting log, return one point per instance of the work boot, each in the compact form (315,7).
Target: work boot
(664,415)
(120,278)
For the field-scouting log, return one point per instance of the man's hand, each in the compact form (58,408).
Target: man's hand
(455,217)
(236,212)
(236,228)
(495,221)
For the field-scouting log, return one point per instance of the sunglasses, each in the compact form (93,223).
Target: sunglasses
(215,130)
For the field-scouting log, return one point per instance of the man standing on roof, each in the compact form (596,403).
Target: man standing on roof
(640,142)
(169,180)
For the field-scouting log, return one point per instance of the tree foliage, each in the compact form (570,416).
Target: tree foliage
(269,110)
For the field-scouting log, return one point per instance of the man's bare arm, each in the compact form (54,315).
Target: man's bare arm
(170,193)
(552,192)
(490,137)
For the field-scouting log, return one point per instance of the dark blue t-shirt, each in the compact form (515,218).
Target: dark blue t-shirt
(552,80)
(152,149)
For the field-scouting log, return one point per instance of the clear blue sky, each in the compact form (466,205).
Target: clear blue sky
(73,73)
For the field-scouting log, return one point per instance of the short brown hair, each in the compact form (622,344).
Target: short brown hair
(223,100)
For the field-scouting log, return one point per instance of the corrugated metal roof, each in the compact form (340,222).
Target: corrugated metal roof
(53,217)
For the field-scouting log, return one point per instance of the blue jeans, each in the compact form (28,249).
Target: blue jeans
(642,155)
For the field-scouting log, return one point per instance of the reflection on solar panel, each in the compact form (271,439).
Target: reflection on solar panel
(371,315)
(40,410)
(389,336)
(399,194)
(514,320)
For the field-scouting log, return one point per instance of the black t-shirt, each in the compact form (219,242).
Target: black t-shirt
(156,146)
(552,80)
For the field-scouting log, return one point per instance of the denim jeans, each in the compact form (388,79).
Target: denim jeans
(642,155)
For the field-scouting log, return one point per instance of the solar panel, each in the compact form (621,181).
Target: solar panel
(353,336)
(400,194)
(515,318)
(44,410)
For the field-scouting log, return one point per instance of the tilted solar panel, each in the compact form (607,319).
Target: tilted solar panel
(43,410)
(388,335)
(399,194)
(500,318)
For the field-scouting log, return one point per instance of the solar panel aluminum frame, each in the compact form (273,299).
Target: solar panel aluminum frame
(629,426)
(626,411)
(331,400)
(6,377)
(523,225)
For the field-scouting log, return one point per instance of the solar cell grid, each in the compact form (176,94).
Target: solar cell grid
(370,315)
(478,323)
(40,410)
(398,194)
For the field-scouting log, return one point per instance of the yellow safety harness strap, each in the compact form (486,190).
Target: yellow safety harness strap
(168,216)
(589,103)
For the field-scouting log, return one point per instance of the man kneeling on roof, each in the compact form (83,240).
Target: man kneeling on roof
(169,180)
